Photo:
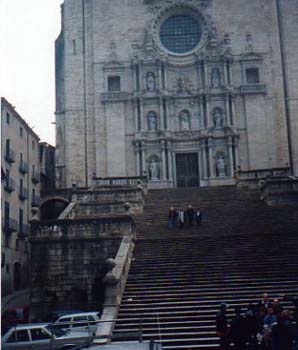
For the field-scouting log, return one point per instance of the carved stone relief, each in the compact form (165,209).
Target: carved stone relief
(152,121)
(150,81)
(220,165)
(154,168)
(218,118)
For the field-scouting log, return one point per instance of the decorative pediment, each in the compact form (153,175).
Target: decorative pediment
(250,56)
(113,66)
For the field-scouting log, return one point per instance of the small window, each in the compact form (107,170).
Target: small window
(7,118)
(39,334)
(33,145)
(22,335)
(114,83)
(81,321)
(21,131)
(252,76)
(12,338)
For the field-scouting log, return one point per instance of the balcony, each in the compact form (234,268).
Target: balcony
(114,96)
(10,155)
(24,167)
(9,184)
(23,193)
(24,230)
(35,201)
(9,225)
(253,89)
(35,177)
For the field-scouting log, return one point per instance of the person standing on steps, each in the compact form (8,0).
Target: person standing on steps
(222,329)
(198,217)
(181,218)
(190,213)
(172,218)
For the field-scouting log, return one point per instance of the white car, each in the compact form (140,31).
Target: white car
(79,322)
(42,336)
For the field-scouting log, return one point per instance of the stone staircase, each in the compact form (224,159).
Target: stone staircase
(177,280)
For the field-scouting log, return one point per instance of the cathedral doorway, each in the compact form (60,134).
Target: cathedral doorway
(187,170)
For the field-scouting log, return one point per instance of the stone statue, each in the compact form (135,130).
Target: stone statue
(184,120)
(152,121)
(154,169)
(215,78)
(221,166)
(150,81)
(218,119)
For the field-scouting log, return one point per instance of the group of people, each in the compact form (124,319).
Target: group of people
(181,217)
(265,326)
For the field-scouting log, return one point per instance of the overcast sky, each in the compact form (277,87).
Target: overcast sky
(28,29)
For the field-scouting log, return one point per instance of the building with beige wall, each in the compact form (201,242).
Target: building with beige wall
(20,192)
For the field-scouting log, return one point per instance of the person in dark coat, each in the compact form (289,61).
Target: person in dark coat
(190,214)
(283,333)
(238,330)
(172,218)
(222,329)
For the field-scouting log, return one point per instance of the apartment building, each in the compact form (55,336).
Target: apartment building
(20,169)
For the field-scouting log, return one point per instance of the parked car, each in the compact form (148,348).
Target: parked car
(42,336)
(55,314)
(79,322)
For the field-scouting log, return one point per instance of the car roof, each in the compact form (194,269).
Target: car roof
(29,325)
(92,313)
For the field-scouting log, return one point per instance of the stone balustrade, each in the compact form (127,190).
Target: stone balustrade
(68,229)
(119,181)
(263,173)
(280,191)
(114,96)
(253,89)
(115,281)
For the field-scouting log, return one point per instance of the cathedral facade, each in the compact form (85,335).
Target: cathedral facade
(185,92)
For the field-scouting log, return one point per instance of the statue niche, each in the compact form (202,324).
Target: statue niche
(215,78)
(184,120)
(150,81)
(152,121)
(220,166)
(154,169)
(218,118)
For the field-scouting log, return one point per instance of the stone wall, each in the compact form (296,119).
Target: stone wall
(109,133)
(68,262)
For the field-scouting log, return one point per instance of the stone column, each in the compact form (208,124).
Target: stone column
(141,76)
(142,126)
(167,114)
(143,149)
(138,159)
(231,161)
(228,112)
(206,74)
(162,121)
(233,110)
(204,159)
(174,168)
(231,74)
(170,165)
(134,73)
(210,154)
(136,111)
(226,73)
(208,116)
(160,75)
(200,161)
(236,153)
(202,125)
(163,158)
(165,75)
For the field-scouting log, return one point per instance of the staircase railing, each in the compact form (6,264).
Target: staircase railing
(115,281)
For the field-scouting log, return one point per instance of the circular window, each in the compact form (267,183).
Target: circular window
(180,34)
